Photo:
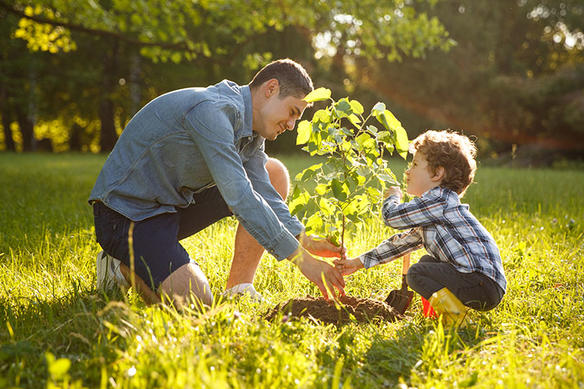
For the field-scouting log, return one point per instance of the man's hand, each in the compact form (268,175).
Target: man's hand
(348,266)
(393,190)
(321,247)
(325,276)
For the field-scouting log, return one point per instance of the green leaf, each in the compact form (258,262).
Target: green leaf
(309,172)
(318,95)
(343,108)
(378,109)
(361,139)
(322,115)
(299,201)
(357,107)
(304,130)
(314,223)
(402,143)
(385,137)
(374,193)
(394,124)
(354,119)
(326,207)
(340,190)
(321,189)
(372,129)
(334,238)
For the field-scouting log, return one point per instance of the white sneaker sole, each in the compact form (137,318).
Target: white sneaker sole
(108,272)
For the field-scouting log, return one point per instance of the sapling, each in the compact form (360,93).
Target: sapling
(348,187)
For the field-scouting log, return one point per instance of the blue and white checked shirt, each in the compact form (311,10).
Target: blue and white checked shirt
(447,230)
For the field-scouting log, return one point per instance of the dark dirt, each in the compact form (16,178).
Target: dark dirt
(362,309)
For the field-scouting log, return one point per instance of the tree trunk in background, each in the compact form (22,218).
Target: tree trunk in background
(26,126)
(8,139)
(108,129)
(75,137)
(135,89)
(106,107)
(5,112)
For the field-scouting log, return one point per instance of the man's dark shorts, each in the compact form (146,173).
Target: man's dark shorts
(157,251)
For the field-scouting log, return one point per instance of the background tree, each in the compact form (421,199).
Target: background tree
(516,76)
(213,38)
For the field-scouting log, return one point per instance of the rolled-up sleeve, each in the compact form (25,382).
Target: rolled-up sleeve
(211,127)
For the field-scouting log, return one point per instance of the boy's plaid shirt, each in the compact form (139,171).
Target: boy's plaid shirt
(445,227)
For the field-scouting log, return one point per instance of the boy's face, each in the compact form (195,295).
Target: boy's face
(420,178)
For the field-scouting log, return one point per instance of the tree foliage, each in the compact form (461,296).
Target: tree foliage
(212,39)
(516,75)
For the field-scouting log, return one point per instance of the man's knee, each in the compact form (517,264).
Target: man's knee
(279,176)
(186,282)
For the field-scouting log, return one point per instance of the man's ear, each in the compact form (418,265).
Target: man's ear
(439,174)
(271,88)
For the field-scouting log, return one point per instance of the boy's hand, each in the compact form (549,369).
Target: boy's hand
(348,266)
(321,247)
(393,190)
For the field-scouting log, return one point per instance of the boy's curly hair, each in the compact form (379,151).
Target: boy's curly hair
(454,152)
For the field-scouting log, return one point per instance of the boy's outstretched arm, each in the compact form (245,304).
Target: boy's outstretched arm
(392,248)
(348,266)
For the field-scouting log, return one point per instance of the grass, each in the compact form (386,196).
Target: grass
(56,330)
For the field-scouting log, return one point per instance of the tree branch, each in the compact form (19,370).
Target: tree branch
(77,27)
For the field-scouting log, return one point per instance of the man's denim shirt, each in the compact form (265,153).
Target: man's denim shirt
(188,140)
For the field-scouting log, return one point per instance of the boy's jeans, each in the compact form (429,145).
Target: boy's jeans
(475,290)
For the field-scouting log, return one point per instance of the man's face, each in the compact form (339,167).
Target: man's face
(278,115)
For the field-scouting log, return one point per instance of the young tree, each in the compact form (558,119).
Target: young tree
(348,187)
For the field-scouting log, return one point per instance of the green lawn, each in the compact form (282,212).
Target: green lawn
(48,302)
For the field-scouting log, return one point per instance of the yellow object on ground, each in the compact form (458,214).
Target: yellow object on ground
(453,311)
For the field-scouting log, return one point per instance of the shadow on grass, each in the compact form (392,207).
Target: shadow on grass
(415,349)
(86,327)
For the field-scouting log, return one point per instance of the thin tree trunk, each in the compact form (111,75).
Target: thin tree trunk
(26,126)
(8,139)
(135,88)
(75,137)
(5,112)
(106,108)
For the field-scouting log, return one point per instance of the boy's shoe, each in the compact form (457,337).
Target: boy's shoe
(244,289)
(109,274)
(453,311)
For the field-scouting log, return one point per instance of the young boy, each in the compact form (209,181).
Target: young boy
(463,268)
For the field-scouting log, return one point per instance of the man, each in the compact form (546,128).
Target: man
(190,158)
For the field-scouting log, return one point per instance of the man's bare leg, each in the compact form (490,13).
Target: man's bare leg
(188,284)
(247,251)
(184,284)
(143,290)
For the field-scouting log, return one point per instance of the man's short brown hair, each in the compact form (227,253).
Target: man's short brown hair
(454,152)
(292,77)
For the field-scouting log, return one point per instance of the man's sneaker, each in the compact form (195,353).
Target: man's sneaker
(243,290)
(109,274)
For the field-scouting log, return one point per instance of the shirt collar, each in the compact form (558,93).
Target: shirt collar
(247,116)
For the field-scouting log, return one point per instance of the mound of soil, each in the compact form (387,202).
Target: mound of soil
(362,309)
